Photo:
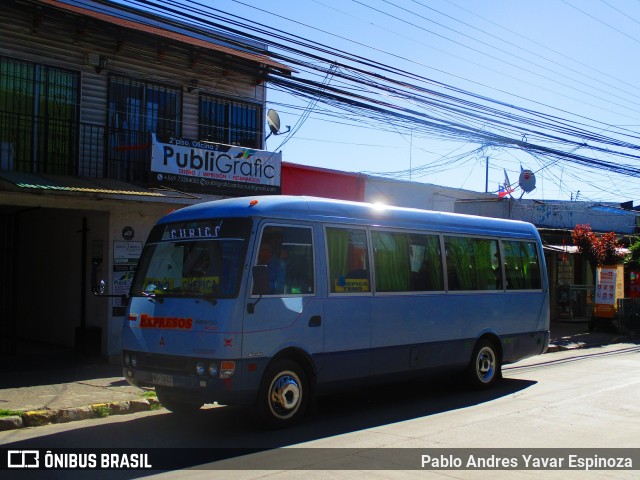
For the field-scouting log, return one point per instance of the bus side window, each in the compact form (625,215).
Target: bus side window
(521,265)
(473,263)
(349,270)
(406,262)
(288,254)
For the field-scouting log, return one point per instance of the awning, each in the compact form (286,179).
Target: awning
(30,182)
(560,248)
(574,249)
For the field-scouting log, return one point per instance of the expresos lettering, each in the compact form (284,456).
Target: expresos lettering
(147,321)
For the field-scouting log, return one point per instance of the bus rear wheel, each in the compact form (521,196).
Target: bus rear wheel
(484,369)
(283,395)
(175,403)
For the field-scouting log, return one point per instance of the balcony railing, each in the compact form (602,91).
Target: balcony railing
(35,145)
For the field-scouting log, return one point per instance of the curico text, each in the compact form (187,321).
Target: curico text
(196,232)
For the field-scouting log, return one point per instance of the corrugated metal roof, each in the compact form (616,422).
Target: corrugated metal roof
(105,186)
(165,33)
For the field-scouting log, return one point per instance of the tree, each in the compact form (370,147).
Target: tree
(633,260)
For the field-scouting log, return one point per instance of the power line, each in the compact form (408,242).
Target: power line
(382,94)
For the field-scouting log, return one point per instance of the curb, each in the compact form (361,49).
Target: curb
(37,418)
(563,348)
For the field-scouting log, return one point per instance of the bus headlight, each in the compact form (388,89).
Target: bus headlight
(134,360)
(201,370)
(126,359)
(213,369)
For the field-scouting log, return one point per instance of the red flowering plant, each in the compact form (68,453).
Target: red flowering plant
(597,250)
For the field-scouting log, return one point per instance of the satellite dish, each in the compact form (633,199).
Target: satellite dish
(527,181)
(273,120)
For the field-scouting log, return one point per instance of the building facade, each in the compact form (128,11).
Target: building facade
(570,277)
(89,91)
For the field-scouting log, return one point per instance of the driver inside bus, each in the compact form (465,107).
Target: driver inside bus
(274,256)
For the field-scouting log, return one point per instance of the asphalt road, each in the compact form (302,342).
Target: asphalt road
(566,400)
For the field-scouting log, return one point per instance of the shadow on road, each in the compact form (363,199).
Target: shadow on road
(222,433)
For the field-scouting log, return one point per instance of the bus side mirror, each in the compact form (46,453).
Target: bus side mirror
(97,287)
(260,280)
(260,284)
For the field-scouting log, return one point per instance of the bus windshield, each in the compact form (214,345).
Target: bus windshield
(199,259)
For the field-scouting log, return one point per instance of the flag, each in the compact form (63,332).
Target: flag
(506,189)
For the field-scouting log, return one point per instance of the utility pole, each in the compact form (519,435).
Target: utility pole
(410,154)
(486,178)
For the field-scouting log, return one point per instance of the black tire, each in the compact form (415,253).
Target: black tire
(485,369)
(175,403)
(283,396)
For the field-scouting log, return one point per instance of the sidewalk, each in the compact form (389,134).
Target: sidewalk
(63,387)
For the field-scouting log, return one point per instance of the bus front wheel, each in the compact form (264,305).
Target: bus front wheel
(485,369)
(283,395)
(176,404)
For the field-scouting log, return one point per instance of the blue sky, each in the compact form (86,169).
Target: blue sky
(575,59)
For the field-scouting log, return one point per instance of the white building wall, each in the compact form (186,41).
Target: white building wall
(416,195)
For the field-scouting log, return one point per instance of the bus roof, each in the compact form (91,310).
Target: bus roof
(288,207)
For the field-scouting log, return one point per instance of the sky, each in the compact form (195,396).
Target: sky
(578,60)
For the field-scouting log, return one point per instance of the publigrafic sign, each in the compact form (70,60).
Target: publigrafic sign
(213,168)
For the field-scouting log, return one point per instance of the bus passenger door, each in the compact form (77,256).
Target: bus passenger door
(347,339)
(347,307)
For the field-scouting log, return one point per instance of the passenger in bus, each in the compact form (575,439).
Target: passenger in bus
(422,278)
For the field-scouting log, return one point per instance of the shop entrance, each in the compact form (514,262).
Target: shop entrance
(45,275)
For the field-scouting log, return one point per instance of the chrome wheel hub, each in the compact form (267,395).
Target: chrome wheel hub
(486,365)
(285,395)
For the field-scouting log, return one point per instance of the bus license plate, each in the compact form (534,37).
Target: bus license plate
(162,380)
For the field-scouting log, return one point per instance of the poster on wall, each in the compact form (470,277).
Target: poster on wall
(609,287)
(214,168)
(125,260)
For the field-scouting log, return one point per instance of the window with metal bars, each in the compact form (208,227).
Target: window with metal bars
(38,117)
(230,122)
(137,109)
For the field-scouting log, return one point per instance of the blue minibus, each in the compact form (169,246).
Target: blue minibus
(271,300)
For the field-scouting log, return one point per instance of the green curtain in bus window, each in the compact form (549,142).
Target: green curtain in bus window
(338,247)
(434,262)
(392,263)
(532,268)
(521,265)
(514,266)
(471,263)
(459,263)
(487,271)
(348,263)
